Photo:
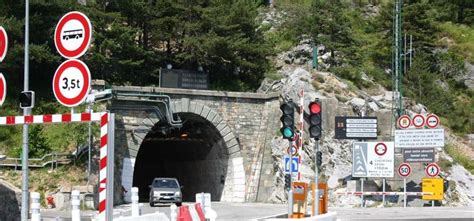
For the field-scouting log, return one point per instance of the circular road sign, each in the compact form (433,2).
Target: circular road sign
(418,121)
(293,150)
(3,43)
(71,82)
(432,121)
(404,121)
(3,89)
(432,170)
(73,35)
(380,149)
(404,169)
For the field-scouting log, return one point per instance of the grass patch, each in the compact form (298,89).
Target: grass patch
(462,35)
(460,158)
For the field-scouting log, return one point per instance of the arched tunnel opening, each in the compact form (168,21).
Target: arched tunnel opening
(195,154)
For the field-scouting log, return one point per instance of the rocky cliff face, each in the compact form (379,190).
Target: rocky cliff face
(340,98)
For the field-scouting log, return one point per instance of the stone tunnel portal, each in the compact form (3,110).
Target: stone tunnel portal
(195,154)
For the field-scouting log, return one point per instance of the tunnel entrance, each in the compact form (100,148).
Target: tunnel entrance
(195,154)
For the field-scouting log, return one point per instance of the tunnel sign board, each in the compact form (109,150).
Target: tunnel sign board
(373,159)
(290,162)
(3,43)
(418,155)
(71,82)
(357,128)
(419,138)
(73,35)
(435,186)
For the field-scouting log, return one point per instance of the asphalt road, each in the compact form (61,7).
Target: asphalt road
(253,211)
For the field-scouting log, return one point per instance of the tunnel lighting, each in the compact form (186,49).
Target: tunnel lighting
(184,135)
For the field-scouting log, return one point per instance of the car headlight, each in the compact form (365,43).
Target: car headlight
(156,193)
(178,194)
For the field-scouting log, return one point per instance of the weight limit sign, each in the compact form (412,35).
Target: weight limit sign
(71,82)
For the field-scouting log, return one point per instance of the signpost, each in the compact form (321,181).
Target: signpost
(418,121)
(435,186)
(293,165)
(418,155)
(373,159)
(419,138)
(404,170)
(3,43)
(3,89)
(432,170)
(358,128)
(73,35)
(404,122)
(432,121)
(71,82)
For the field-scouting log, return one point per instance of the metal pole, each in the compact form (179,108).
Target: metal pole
(290,191)
(362,195)
(411,48)
(405,55)
(405,192)
(109,207)
(316,182)
(89,151)
(26,111)
(383,190)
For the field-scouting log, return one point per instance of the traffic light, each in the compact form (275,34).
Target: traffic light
(288,122)
(315,119)
(319,158)
(27,99)
(287,181)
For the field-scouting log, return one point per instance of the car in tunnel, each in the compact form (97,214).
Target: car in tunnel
(165,190)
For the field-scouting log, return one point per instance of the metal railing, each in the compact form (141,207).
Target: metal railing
(53,159)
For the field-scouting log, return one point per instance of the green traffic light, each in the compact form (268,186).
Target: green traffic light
(287,132)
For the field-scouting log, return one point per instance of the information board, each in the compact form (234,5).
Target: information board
(435,186)
(373,159)
(357,128)
(419,155)
(419,138)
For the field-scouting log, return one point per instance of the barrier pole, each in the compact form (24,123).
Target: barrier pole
(35,206)
(362,195)
(75,202)
(135,205)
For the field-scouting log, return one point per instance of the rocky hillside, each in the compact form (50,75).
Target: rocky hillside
(341,98)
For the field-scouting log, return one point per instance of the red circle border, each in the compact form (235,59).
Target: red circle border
(84,20)
(72,102)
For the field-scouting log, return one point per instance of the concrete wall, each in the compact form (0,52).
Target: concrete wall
(246,121)
(10,202)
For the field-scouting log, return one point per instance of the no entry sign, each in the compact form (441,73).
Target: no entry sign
(73,35)
(71,82)
(3,43)
(3,89)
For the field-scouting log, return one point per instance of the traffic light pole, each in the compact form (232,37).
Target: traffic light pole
(316,182)
(290,191)
(26,111)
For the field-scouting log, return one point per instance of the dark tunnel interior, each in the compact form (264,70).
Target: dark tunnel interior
(195,154)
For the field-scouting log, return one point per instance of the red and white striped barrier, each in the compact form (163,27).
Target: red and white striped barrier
(103,117)
(385,193)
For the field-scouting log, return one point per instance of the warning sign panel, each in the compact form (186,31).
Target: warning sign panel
(419,138)
(435,186)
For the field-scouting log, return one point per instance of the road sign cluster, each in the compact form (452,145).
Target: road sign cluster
(72,38)
(3,53)
(418,121)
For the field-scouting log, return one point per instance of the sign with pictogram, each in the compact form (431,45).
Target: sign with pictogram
(3,89)
(71,82)
(419,138)
(73,35)
(432,121)
(290,163)
(434,186)
(356,128)
(3,43)
(293,150)
(418,121)
(404,122)
(373,159)
(432,170)
(404,169)
(380,149)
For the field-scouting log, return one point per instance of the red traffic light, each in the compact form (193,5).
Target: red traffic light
(314,107)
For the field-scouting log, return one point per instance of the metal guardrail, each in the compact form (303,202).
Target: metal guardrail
(53,159)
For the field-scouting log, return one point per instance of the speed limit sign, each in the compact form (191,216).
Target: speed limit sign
(71,82)
(404,169)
